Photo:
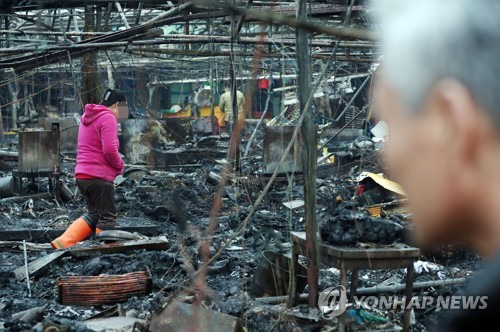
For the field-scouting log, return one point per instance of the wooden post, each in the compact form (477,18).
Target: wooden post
(1,126)
(211,80)
(138,13)
(234,101)
(13,88)
(236,32)
(52,25)
(49,97)
(98,19)
(91,84)
(7,26)
(309,141)
(70,18)
(107,17)
(187,46)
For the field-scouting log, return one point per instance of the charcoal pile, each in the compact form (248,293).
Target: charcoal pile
(349,225)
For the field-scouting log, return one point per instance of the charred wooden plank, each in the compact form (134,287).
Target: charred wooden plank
(18,246)
(39,265)
(43,235)
(159,243)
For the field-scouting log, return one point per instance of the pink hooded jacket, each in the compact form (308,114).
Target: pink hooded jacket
(98,144)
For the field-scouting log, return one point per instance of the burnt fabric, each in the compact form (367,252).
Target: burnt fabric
(100,198)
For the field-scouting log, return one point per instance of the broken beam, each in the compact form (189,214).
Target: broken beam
(40,265)
(46,235)
(32,61)
(18,245)
(397,288)
(159,243)
(270,17)
(182,39)
(40,24)
(211,53)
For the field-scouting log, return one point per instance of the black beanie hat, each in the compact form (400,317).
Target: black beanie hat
(111,97)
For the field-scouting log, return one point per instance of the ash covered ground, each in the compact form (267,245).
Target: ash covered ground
(179,202)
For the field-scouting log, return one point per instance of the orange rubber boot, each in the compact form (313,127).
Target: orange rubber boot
(78,231)
(98,230)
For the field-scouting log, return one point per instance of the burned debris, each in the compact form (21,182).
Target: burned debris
(223,223)
(253,269)
(347,225)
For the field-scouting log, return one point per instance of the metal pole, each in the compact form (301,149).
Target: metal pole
(26,268)
(122,15)
(249,144)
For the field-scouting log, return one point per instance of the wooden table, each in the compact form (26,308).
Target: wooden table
(353,259)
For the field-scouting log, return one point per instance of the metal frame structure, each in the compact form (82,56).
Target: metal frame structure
(46,46)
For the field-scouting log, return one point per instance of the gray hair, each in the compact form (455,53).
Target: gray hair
(426,41)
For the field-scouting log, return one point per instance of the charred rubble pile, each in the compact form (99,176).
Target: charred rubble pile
(164,220)
(177,205)
(349,225)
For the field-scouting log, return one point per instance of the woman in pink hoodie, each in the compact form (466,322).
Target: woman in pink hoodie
(97,164)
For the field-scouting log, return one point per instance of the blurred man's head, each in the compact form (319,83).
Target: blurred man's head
(439,91)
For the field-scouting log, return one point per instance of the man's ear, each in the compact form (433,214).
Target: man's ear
(463,120)
(463,126)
